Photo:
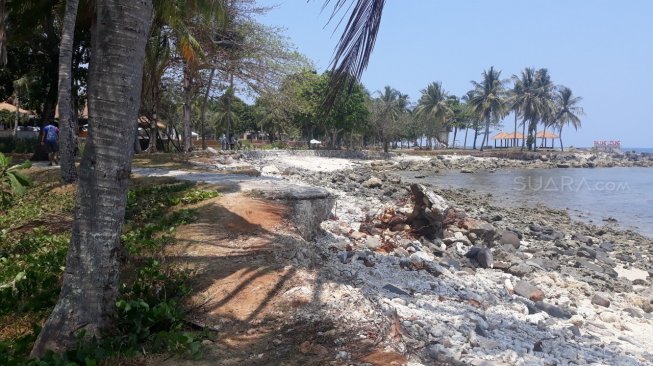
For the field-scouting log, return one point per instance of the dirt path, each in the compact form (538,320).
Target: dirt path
(247,291)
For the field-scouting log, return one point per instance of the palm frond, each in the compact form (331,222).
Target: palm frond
(355,46)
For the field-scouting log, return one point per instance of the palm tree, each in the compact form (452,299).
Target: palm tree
(524,99)
(90,282)
(568,111)
(387,111)
(433,108)
(489,99)
(543,105)
(67,122)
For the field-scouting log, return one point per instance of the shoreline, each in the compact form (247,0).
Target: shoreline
(550,282)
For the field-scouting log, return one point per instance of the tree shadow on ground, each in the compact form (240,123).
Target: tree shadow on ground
(253,288)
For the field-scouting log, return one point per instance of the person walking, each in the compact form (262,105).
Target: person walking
(50,141)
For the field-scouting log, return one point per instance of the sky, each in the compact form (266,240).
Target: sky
(601,49)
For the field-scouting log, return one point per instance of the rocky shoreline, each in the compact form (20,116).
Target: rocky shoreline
(454,278)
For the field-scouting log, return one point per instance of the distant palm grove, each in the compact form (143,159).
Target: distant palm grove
(222,74)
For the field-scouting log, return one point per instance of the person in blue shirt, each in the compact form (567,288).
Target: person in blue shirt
(50,141)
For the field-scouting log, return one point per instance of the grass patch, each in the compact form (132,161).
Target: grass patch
(34,237)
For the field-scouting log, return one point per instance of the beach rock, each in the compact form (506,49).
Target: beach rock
(401,252)
(429,212)
(608,317)
(373,243)
(509,238)
(520,269)
(395,290)
(373,182)
(600,301)
(270,169)
(582,238)
(586,252)
(554,311)
(528,290)
(357,235)
(418,259)
(481,229)
(483,256)
(634,313)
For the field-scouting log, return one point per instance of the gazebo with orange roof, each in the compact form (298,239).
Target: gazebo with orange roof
(544,135)
(508,139)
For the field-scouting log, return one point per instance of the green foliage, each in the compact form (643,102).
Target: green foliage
(12,182)
(149,316)
(30,269)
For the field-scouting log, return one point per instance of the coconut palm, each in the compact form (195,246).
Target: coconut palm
(67,122)
(387,110)
(489,99)
(355,45)
(433,108)
(524,100)
(568,111)
(90,281)
(543,105)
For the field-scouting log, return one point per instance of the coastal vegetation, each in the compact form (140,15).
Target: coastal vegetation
(211,68)
(177,67)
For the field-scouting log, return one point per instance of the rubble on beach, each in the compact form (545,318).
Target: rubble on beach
(453,278)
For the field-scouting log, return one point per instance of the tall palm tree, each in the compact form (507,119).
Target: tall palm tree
(568,111)
(387,112)
(489,99)
(524,100)
(90,282)
(67,122)
(544,105)
(433,108)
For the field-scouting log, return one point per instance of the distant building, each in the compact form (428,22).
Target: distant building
(607,145)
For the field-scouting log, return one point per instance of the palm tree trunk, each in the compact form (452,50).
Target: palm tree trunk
(465,144)
(514,136)
(475,136)
(562,148)
(67,123)
(487,133)
(523,134)
(455,131)
(543,144)
(90,281)
(206,98)
(187,86)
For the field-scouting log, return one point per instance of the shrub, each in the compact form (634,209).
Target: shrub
(12,181)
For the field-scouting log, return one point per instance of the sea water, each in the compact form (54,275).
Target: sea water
(590,195)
